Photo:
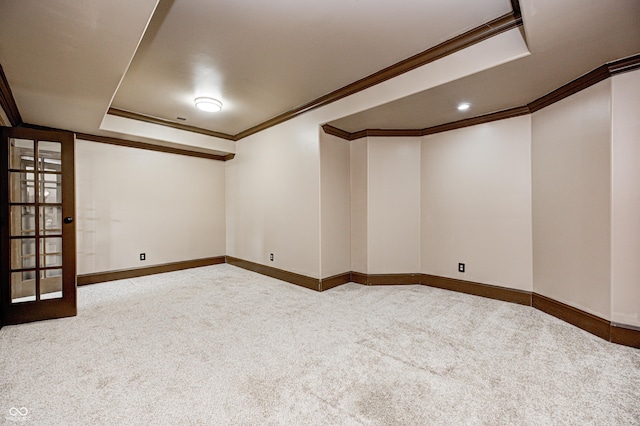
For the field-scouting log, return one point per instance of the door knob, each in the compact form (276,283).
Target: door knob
(68,219)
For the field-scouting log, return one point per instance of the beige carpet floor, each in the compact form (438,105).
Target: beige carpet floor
(221,345)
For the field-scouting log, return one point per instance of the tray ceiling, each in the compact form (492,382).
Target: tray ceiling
(69,62)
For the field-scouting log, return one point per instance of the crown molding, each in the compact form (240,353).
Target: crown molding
(469,38)
(476,35)
(620,66)
(152,147)
(133,144)
(515,6)
(334,131)
(7,101)
(587,80)
(481,119)
(467,122)
(161,121)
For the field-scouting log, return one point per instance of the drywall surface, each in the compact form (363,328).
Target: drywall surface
(273,184)
(625,199)
(393,234)
(476,203)
(571,170)
(131,201)
(177,137)
(273,199)
(335,204)
(359,217)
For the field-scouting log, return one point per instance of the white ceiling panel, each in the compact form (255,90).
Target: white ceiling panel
(64,59)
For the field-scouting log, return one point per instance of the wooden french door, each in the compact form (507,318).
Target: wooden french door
(36,223)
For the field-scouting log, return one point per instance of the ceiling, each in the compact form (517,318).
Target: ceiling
(69,62)
(263,58)
(566,39)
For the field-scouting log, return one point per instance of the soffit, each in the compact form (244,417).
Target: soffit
(64,59)
(567,39)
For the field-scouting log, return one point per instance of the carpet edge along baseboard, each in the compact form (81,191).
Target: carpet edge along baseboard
(122,274)
(616,333)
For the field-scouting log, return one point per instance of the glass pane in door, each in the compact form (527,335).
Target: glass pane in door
(50,220)
(22,187)
(49,158)
(23,253)
(23,220)
(50,188)
(23,286)
(50,252)
(20,153)
(51,284)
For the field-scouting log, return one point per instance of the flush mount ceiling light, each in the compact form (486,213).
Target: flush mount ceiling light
(464,106)
(208,104)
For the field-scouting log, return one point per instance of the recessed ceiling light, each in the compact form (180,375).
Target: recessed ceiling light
(208,104)
(464,106)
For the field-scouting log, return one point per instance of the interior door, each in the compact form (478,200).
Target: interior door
(37,229)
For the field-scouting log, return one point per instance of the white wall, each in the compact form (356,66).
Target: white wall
(548,202)
(131,201)
(625,199)
(571,169)
(393,233)
(476,203)
(171,136)
(273,184)
(273,199)
(359,199)
(421,205)
(335,206)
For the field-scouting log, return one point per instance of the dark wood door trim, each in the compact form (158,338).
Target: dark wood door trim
(5,242)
